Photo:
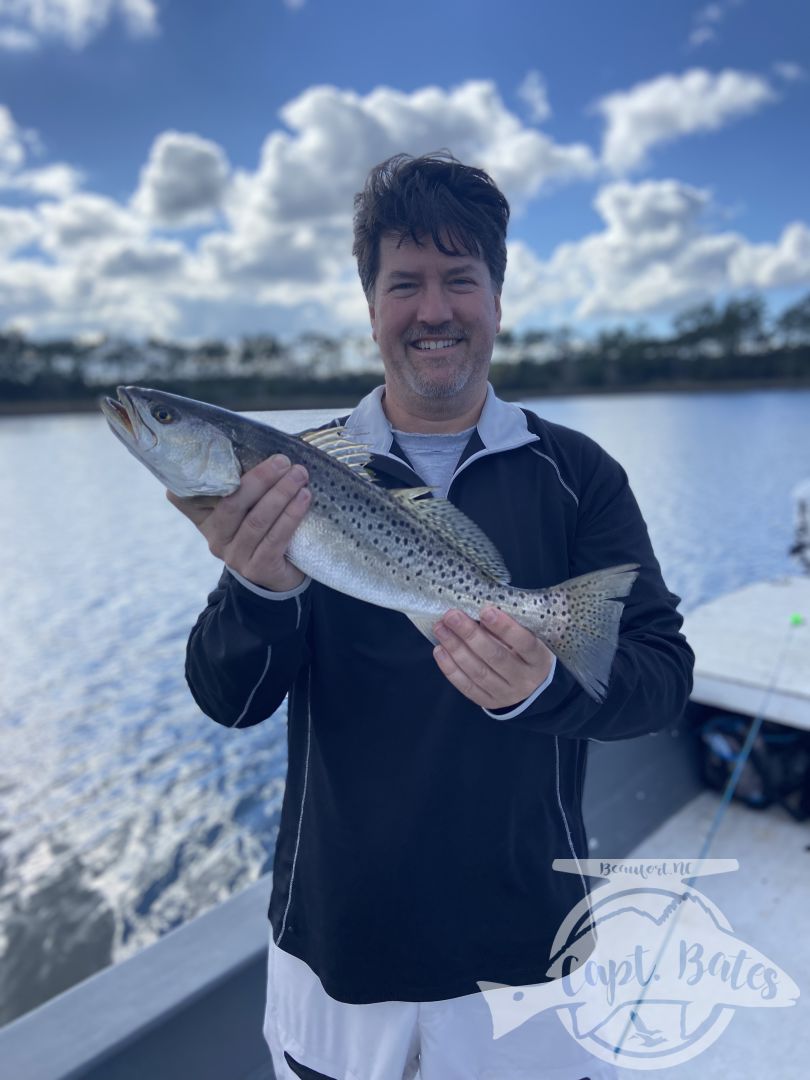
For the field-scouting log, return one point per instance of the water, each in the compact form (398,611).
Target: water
(123,810)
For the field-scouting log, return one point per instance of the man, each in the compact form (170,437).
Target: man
(429,790)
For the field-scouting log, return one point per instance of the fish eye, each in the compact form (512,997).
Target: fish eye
(162,414)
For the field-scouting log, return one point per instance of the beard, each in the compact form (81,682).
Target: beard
(436,383)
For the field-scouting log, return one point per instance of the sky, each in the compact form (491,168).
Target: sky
(185,169)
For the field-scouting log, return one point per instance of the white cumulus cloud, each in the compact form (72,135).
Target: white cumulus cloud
(12,145)
(773,266)
(670,106)
(708,19)
(274,249)
(18,229)
(56,180)
(184,180)
(26,23)
(654,255)
(84,221)
(16,39)
(289,222)
(534,93)
(146,260)
(789,70)
(50,181)
(335,136)
(101,278)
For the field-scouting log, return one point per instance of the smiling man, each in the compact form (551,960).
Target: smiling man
(429,789)
(435,318)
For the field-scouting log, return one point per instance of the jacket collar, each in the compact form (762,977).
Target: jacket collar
(501,426)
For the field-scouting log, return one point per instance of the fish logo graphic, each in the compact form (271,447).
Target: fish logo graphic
(647,972)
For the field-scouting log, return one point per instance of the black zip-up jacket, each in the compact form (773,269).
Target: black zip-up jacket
(418,830)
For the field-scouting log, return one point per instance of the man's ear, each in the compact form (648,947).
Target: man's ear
(371,316)
(497,312)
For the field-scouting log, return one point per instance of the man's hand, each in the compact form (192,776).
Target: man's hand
(494,663)
(251,529)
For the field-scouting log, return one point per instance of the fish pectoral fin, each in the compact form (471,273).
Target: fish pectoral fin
(457,529)
(337,444)
(424,624)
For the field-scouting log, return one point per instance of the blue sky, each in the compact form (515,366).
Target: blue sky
(185,167)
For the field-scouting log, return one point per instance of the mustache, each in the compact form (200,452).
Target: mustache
(446,330)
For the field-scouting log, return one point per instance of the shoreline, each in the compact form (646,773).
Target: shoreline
(65,406)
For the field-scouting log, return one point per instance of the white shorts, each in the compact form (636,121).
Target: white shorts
(409,1040)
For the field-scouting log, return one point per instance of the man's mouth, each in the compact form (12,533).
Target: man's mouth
(432,344)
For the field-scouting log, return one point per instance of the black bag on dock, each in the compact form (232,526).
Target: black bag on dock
(777,769)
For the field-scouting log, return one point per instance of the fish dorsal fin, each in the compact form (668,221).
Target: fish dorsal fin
(457,529)
(343,448)
(409,494)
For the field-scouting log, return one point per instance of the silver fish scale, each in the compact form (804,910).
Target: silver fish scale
(360,539)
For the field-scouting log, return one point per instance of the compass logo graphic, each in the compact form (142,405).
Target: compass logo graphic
(647,970)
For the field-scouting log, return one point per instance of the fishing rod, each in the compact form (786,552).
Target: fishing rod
(795,621)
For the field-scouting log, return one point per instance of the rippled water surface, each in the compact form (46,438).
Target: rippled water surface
(123,810)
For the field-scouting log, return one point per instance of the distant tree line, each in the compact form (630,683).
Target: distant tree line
(733,343)
(727,344)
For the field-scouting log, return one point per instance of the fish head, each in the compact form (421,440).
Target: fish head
(181,441)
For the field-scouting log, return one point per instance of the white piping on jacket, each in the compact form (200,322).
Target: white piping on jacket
(557,470)
(293,594)
(249,701)
(300,815)
(565,819)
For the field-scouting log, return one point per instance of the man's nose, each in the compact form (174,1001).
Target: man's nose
(434,306)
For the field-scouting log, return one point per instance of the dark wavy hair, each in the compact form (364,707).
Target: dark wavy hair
(457,206)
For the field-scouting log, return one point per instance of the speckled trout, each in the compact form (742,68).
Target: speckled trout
(398,548)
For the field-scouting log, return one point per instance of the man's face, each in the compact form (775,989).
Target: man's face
(435,318)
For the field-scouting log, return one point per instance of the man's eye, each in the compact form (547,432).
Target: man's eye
(402,285)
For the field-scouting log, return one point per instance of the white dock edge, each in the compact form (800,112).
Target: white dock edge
(744,640)
(189,1005)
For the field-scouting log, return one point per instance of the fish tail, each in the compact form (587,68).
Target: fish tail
(590,607)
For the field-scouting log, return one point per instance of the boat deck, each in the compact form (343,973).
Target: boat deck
(766,903)
(753,652)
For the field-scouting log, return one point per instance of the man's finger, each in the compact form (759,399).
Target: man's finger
(195,507)
(485,667)
(259,525)
(510,632)
(280,534)
(464,637)
(459,678)
(254,485)
(489,665)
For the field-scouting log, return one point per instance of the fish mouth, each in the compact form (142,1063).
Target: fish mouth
(125,420)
